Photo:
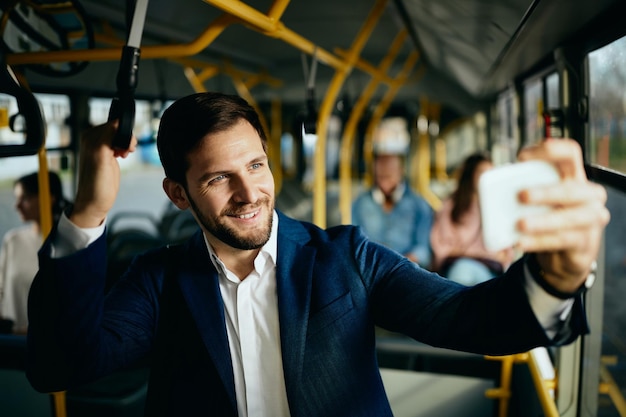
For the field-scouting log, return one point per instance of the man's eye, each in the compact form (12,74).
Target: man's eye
(217,179)
(257,165)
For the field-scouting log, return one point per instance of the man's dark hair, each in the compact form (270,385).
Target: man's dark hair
(188,120)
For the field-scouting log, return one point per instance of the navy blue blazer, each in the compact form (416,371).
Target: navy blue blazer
(333,287)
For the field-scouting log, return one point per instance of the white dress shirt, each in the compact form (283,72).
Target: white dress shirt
(251,311)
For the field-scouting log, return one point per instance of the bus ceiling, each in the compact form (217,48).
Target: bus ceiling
(469,49)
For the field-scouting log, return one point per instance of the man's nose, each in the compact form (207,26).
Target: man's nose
(246,190)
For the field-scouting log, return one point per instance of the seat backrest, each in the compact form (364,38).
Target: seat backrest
(177,226)
(123,246)
(17,396)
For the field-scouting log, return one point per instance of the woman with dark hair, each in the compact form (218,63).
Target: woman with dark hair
(456,238)
(18,254)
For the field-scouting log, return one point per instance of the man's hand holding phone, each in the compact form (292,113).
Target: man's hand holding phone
(547,207)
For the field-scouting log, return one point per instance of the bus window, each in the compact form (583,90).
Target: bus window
(464,139)
(607,148)
(8,107)
(553,98)
(99,110)
(533,103)
(505,135)
(607,106)
(56,110)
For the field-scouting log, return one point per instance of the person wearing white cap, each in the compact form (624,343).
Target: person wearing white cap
(390,212)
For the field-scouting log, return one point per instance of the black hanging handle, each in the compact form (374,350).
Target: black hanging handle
(28,107)
(123,105)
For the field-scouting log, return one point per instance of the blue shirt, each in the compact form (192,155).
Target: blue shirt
(405,229)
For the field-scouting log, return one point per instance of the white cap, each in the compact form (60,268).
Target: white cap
(391,137)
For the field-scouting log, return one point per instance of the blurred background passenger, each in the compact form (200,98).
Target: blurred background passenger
(456,239)
(390,212)
(18,253)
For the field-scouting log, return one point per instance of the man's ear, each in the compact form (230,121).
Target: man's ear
(176,193)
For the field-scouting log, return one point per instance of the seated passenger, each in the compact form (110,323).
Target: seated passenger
(456,238)
(18,255)
(390,212)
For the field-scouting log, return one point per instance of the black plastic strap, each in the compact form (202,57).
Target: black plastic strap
(123,105)
(28,107)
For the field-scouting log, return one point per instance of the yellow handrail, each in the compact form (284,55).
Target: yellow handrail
(610,387)
(270,26)
(212,31)
(503,392)
(542,386)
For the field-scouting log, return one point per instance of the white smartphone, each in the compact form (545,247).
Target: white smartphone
(500,208)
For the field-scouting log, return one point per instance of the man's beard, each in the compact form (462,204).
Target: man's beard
(230,235)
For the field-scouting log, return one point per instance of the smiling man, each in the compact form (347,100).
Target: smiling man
(259,314)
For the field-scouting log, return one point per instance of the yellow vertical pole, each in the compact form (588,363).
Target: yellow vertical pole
(349,132)
(440,159)
(59,403)
(421,176)
(274,145)
(45,203)
(423,156)
(503,392)
(319,162)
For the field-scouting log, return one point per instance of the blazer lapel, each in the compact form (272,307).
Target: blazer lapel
(294,271)
(199,285)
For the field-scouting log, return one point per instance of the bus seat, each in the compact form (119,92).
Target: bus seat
(138,220)
(177,225)
(123,246)
(121,394)
(13,351)
(17,396)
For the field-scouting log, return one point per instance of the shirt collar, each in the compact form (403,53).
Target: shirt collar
(396,194)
